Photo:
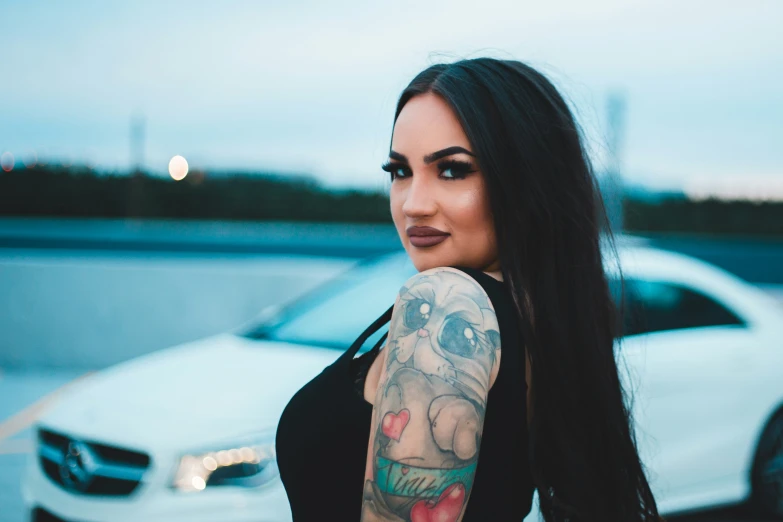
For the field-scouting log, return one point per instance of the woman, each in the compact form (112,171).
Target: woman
(499,375)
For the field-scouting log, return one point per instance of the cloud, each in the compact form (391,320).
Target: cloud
(313,85)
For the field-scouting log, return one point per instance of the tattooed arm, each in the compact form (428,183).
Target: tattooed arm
(440,360)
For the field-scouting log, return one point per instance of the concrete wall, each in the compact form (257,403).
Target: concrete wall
(83,309)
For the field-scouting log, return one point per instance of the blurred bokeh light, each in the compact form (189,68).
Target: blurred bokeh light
(7,161)
(178,168)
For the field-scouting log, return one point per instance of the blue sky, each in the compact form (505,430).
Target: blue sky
(310,86)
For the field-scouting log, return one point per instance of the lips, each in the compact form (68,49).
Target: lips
(426,236)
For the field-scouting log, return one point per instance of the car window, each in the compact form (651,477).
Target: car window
(658,306)
(335,315)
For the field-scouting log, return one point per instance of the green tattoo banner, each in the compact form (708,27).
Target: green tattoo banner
(396,478)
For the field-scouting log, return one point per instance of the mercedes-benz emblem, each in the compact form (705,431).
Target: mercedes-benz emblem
(78,465)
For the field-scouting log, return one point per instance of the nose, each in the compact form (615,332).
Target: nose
(419,198)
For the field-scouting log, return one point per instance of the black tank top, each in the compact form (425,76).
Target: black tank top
(324,431)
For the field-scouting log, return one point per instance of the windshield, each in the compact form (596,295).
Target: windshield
(334,315)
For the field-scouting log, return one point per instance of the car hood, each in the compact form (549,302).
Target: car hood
(190,396)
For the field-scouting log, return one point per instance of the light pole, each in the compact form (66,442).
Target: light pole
(613,183)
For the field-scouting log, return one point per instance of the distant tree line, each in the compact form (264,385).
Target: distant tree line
(82,192)
(710,216)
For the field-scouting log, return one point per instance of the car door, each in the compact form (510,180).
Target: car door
(685,358)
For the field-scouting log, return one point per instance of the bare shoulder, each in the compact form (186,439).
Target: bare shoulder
(451,290)
(448,287)
(449,276)
(448,316)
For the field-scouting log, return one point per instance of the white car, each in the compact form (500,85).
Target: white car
(187,433)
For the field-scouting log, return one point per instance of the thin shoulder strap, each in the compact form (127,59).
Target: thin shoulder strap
(374,327)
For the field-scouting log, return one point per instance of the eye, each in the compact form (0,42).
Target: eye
(396,170)
(455,169)
(457,336)
(417,313)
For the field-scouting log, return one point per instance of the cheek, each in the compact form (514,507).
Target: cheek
(395,200)
(471,217)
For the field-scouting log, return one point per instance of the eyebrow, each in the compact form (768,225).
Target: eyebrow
(435,156)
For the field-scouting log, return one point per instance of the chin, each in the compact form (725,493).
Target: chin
(426,260)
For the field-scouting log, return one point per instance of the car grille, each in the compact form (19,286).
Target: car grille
(90,468)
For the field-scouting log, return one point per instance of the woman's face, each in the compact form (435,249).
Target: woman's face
(436,183)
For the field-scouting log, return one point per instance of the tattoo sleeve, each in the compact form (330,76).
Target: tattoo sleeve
(441,356)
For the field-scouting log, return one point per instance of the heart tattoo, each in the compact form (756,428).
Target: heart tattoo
(446,509)
(393,423)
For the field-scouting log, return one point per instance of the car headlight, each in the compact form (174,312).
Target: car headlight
(249,462)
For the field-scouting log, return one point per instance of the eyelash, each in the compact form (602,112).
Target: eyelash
(460,169)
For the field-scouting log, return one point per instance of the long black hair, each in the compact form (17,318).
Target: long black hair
(548,217)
